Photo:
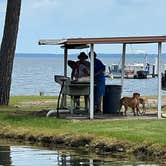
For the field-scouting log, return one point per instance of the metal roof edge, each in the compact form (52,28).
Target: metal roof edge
(104,40)
(52,41)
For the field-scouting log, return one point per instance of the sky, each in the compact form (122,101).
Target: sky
(57,19)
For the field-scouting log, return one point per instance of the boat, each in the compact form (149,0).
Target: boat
(131,71)
(115,70)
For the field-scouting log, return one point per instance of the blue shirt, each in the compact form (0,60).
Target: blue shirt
(98,65)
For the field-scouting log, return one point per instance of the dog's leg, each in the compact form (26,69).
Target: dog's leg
(126,107)
(144,109)
(133,108)
(138,111)
(142,102)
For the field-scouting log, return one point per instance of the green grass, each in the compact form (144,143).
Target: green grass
(152,131)
(134,131)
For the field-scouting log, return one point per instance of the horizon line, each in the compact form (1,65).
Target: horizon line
(97,53)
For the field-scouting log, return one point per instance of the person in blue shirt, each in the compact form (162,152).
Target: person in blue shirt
(99,80)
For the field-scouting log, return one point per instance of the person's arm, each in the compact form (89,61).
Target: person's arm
(99,72)
(86,68)
(72,74)
(101,68)
(86,71)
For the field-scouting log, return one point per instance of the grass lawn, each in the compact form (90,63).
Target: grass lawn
(15,119)
(151,131)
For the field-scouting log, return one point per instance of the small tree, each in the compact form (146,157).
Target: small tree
(7,50)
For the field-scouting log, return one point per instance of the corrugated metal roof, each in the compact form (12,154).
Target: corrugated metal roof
(105,40)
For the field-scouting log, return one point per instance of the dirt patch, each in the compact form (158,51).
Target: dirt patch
(143,152)
(80,141)
(37,103)
(102,148)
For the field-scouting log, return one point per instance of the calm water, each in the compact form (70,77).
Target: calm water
(35,73)
(32,156)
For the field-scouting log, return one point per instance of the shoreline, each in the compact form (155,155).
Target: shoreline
(143,138)
(88,143)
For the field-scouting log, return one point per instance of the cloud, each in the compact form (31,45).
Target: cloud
(3,6)
(86,18)
(78,11)
(34,7)
(131,2)
(36,10)
(136,51)
(42,4)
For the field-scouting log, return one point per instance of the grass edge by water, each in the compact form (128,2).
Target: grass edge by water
(99,136)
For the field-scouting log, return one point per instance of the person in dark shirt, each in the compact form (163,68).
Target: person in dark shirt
(80,69)
(99,80)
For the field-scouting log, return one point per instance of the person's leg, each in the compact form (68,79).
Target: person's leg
(77,101)
(97,99)
(100,94)
(99,103)
(86,98)
(95,95)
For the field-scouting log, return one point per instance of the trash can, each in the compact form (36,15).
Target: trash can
(111,99)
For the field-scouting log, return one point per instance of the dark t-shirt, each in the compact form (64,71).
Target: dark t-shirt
(98,65)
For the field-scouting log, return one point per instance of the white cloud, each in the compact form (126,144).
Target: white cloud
(2,6)
(137,51)
(37,9)
(44,4)
(131,2)
(87,18)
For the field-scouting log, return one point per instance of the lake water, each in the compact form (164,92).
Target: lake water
(33,73)
(34,156)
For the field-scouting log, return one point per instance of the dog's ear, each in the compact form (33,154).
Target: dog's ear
(136,94)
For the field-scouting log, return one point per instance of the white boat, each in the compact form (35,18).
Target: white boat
(135,70)
(115,70)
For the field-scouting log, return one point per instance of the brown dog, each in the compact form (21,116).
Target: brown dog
(132,102)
